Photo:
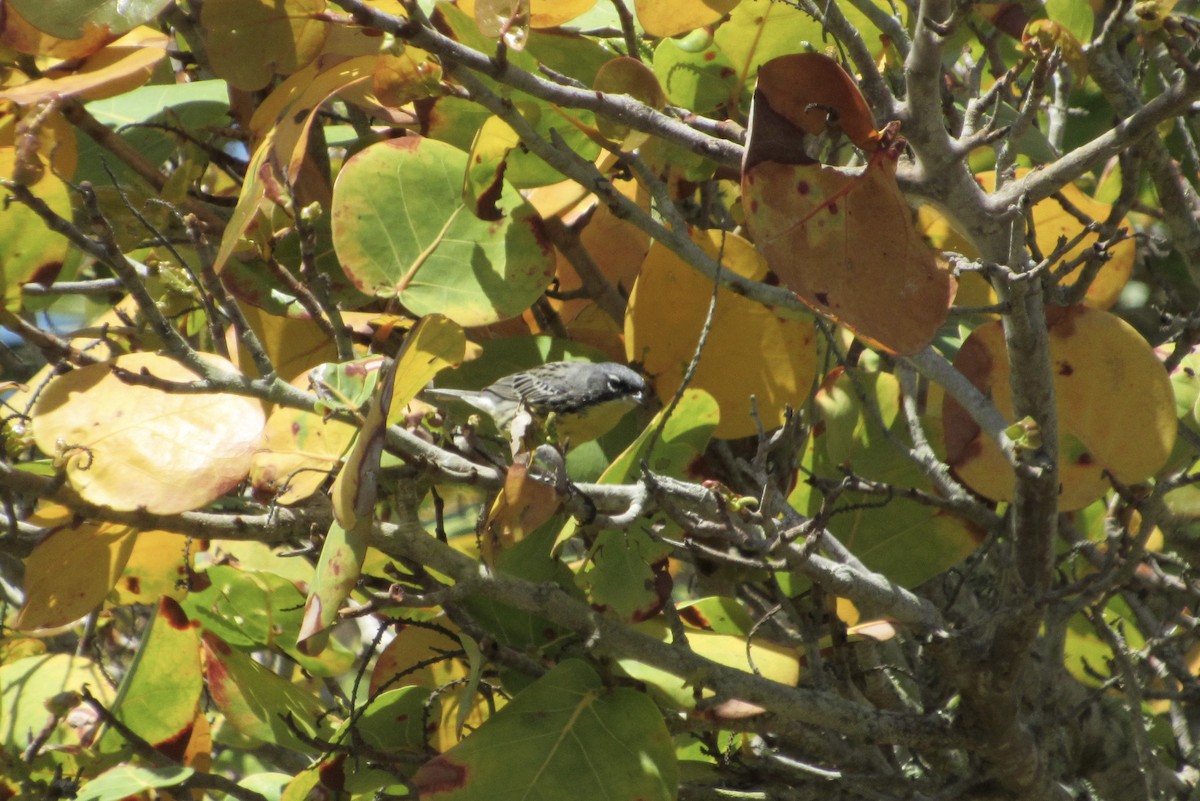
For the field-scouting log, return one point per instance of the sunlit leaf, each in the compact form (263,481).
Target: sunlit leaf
(72,19)
(71,571)
(401,230)
(542,13)
(160,694)
(551,740)
(667,310)
(252,42)
(29,688)
(125,781)
(695,73)
(129,446)
(112,70)
(1129,435)
(664,18)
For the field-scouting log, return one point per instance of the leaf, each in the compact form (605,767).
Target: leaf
(628,76)
(128,447)
(73,19)
(355,488)
(431,659)
(695,74)
(664,18)
(259,703)
(28,689)
(338,570)
(112,70)
(251,41)
(543,13)
(564,736)
(813,93)
(1095,355)
(845,243)
(155,568)
(666,313)
(1076,16)
(401,230)
(19,34)
(160,694)
(28,250)
(125,781)
(1053,222)
(69,573)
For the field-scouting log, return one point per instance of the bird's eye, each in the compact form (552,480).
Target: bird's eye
(615,384)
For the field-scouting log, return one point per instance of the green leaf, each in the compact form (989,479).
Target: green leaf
(70,19)
(695,73)
(160,694)
(1074,15)
(565,736)
(259,703)
(124,781)
(401,230)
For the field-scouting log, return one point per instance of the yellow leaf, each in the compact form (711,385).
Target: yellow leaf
(750,351)
(121,66)
(129,446)
(71,571)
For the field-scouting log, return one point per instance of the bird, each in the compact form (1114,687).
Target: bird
(586,399)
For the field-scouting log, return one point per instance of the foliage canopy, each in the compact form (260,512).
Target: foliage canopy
(913,515)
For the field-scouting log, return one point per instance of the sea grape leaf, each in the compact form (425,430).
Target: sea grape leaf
(113,70)
(21,35)
(73,19)
(249,43)
(70,572)
(160,694)
(27,689)
(667,311)
(565,735)
(401,230)
(128,781)
(432,659)
(29,251)
(843,240)
(132,446)
(665,18)
(156,568)
(338,570)
(695,74)
(1094,355)
(542,13)
(628,76)
(259,703)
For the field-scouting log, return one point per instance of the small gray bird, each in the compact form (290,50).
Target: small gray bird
(586,399)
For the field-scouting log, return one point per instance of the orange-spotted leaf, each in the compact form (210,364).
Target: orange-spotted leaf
(338,569)
(1115,406)
(845,243)
(129,446)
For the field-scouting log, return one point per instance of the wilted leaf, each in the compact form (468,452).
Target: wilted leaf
(1095,355)
(129,446)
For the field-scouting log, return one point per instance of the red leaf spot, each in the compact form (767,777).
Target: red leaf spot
(833,208)
(1065,369)
(549,634)
(133,584)
(695,617)
(822,298)
(726,72)
(710,55)
(1085,459)
(295,428)
(175,746)
(754,206)
(46,273)
(173,613)
(803,187)
(440,775)
(333,774)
